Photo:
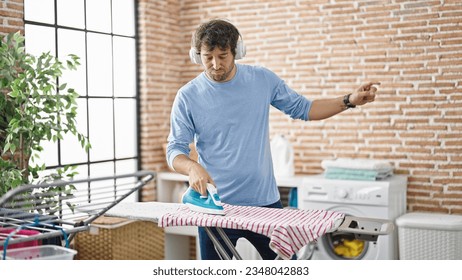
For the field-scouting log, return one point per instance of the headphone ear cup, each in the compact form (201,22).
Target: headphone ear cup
(195,58)
(240,50)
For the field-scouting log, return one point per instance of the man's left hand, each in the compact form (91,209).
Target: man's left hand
(364,94)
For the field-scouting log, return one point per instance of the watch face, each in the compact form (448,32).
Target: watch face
(346,101)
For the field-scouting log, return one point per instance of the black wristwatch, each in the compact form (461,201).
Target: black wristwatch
(346,101)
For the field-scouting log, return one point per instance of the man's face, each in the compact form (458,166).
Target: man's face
(218,63)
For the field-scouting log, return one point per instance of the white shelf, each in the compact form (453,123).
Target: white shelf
(292,181)
(172,176)
(185,230)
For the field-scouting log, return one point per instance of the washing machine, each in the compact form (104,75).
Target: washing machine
(382,199)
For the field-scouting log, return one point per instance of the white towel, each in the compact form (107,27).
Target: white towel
(365,164)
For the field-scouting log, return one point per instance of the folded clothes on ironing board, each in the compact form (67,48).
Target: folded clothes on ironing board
(288,229)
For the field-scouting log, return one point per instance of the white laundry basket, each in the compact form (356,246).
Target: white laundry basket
(430,236)
(45,252)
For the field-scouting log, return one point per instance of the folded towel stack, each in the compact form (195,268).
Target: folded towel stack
(357,169)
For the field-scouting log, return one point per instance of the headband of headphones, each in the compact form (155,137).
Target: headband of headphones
(195,56)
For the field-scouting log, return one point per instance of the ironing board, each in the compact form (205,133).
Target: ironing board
(289,229)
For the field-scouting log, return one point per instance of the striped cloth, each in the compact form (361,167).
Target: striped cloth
(288,229)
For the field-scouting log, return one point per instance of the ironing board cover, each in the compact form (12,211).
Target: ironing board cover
(288,229)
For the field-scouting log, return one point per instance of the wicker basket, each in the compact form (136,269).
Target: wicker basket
(120,239)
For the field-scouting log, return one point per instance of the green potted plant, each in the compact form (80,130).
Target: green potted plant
(34,107)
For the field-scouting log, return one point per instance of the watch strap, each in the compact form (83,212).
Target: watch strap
(346,101)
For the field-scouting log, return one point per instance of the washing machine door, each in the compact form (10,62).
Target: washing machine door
(344,246)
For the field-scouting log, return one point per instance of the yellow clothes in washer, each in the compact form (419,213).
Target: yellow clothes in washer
(349,248)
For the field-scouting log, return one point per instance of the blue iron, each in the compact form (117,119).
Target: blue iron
(210,204)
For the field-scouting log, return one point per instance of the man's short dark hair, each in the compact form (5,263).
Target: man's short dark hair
(216,33)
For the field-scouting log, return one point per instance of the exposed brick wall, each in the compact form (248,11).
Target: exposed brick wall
(11,16)
(160,70)
(322,49)
(327,48)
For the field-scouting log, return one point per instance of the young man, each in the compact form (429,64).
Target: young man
(225,111)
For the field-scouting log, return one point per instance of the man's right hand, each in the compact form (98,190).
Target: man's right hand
(198,176)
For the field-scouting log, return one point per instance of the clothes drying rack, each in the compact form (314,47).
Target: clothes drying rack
(61,209)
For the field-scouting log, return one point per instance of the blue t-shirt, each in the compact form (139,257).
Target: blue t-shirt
(229,123)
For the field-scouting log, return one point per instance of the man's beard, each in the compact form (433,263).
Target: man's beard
(220,77)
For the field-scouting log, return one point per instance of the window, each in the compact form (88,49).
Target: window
(103,34)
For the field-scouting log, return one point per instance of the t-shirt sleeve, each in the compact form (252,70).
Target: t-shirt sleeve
(289,101)
(181,130)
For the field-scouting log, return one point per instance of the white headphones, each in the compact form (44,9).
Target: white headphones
(195,56)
